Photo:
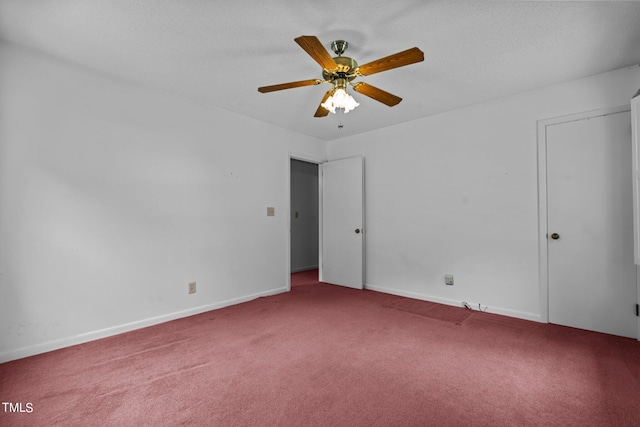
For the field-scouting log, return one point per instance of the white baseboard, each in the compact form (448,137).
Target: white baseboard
(115,330)
(474,305)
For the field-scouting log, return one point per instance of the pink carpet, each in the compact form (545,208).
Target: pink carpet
(323,355)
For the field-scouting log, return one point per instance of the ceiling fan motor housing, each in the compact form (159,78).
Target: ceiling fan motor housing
(345,70)
(346,65)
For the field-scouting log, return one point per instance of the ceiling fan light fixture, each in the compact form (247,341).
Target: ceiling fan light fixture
(340,99)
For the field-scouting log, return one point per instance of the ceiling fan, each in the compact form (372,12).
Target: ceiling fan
(342,70)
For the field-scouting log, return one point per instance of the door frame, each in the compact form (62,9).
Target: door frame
(543,260)
(309,159)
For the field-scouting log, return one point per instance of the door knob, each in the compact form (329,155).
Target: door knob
(555,236)
(357,231)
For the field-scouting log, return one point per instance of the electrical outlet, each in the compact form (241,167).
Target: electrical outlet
(271,211)
(192,287)
(448,279)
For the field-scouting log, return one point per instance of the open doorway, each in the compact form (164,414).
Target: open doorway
(305,222)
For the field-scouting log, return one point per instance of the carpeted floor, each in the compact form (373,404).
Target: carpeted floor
(323,355)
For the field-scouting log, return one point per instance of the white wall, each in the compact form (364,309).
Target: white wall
(457,193)
(114,196)
(304,227)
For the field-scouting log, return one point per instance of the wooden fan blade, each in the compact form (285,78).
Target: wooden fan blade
(314,48)
(400,59)
(377,94)
(321,111)
(291,85)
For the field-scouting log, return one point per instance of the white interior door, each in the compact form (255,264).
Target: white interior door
(635,149)
(343,222)
(592,276)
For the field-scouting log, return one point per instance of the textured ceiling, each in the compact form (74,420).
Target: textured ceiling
(220,52)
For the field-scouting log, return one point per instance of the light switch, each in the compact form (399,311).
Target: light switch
(271,211)
(448,279)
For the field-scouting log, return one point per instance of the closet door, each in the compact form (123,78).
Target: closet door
(592,277)
(635,132)
(635,147)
